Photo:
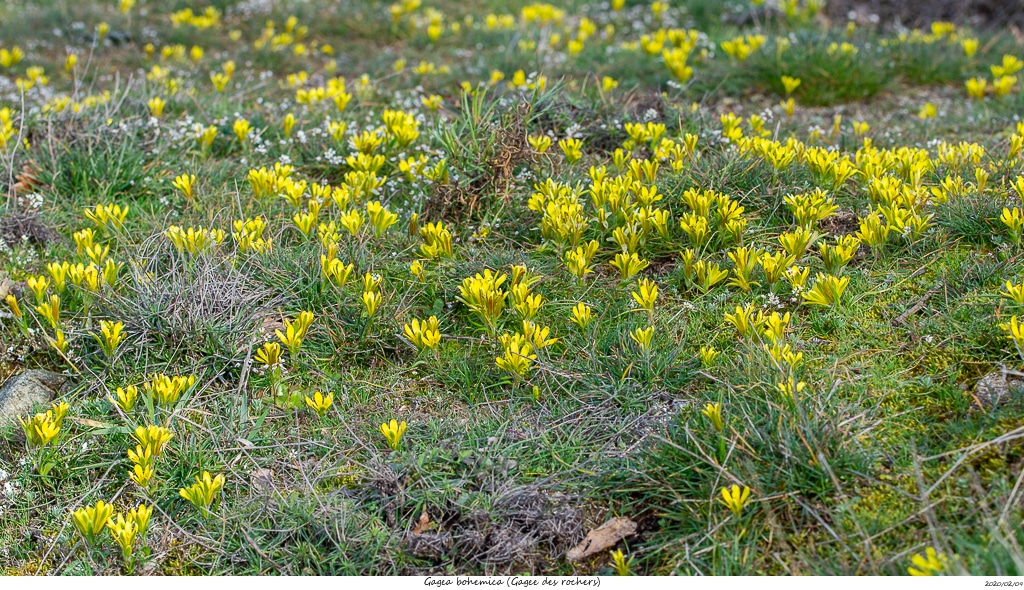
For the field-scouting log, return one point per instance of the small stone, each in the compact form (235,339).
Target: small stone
(603,537)
(26,390)
(995,388)
(429,545)
(262,480)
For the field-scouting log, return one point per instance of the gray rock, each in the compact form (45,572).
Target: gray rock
(26,390)
(996,387)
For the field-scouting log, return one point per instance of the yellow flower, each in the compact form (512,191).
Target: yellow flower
(1014,221)
(165,390)
(58,342)
(416,268)
(788,106)
(140,516)
(774,326)
(628,264)
(581,315)
(269,355)
(126,398)
(930,564)
(90,521)
(622,565)
(84,239)
(741,47)
(527,306)
(319,403)
(536,334)
(352,221)
(288,124)
(11,57)
(43,428)
(110,336)
(50,311)
(676,60)
(437,241)
(400,126)
(927,111)
(205,137)
(341,100)
(153,438)
(143,465)
(837,256)
(393,432)
(1008,66)
(1003,85)
(58,272)
(241,128)
(425,334)
(713,412)
(371,301)
(572,148)
(977,87)
(304,222)
(970,46)
(38,286)
(735,498)
(707,355)
(371,282)
(1015,332)
(380,217)
(1014,292)
(202,493)
(123,531)
(483,295)
(645,294)
(578,260)
(291,337)
(643,338)
(795,242)
(12,302)
(517,357)
(184,183)
(335,271)
(219,80)
(789,84)
(432,102)
(791,388)
(708,274)
(540,143)
(743,320)
(827,290)
(783,354)
(304,320)
(97,253)
(106,217)
(873,231)
(110,270)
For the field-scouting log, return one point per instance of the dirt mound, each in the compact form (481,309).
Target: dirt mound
(919,13)
(17,226)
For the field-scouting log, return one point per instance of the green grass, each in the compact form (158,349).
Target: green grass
(884,453)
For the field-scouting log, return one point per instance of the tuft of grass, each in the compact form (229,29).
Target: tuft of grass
(829,74)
